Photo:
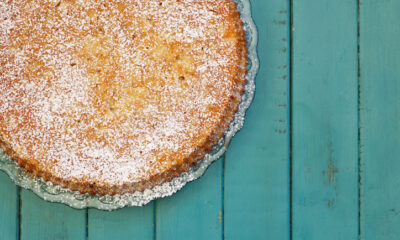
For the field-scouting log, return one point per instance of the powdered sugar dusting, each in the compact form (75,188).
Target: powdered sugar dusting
(113,91)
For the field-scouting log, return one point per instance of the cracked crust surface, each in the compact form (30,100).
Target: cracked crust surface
(110,97)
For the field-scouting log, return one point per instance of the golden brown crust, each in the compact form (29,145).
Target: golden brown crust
(104,188)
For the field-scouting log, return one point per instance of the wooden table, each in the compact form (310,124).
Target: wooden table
(318,157)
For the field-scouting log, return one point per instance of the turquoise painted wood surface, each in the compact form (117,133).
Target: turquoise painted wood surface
(9,208)
(127,223)
(43,220)
(256,200)
(196,212)
(324,120)
(316,159)
(380,119)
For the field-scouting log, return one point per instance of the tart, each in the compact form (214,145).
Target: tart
(117,96)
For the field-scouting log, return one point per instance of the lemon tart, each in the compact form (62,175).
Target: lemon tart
(117,96)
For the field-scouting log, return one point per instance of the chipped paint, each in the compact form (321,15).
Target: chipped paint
(332,170)
(331,203)
(220,217)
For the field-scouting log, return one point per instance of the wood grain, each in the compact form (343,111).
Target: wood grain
(380,119)
(256,197)
(195,212)
(325,120)
(128,223)
(44,220)
(8,208)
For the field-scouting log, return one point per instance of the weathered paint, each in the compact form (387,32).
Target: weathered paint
(8,208)
(127,223)
(195,212)
(45,220)
(324,120)
(257,186)
(380,119)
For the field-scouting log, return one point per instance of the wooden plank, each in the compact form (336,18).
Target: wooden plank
(8,208)
(127,223)
(45,220)
(325,120)
(195,212)
(380,119)
(257,162)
